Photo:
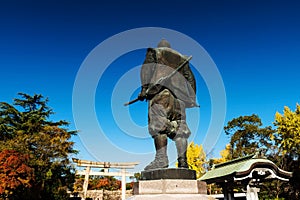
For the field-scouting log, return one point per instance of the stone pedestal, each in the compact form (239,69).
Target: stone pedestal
(169,186)
(166,184)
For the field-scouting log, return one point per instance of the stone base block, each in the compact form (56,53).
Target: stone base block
(168,173)
(166,184)
(171,197)
(170,186)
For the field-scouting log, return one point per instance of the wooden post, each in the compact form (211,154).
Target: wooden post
(228,191)
(123,171)
(86,181)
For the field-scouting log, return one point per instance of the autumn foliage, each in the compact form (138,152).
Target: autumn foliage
(106,183)
(196,158)
(98,183)
(37,164)
(14,171)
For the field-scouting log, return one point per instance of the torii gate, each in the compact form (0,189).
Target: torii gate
(105,165)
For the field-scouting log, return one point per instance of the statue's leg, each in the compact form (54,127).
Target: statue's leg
(158,111)
(182,133)
(161,158)
(181,145)
(158,126)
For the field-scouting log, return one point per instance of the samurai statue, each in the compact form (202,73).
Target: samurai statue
(169,86)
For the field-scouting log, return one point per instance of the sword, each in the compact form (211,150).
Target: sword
(131,102)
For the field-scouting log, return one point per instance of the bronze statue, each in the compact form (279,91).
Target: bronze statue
(169,86)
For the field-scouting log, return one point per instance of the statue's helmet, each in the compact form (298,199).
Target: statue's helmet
(164,43)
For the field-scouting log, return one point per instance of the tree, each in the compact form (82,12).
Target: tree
(288,130)
(247,135)
(14,172)
(78,184)
(225,155)
(287,138)
(282,147)
(136,177)
(25,127)
(196,158)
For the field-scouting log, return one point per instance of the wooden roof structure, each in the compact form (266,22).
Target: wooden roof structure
(248,171)
(245,168)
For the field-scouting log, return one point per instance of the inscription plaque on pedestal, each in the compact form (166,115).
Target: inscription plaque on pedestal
(169,173)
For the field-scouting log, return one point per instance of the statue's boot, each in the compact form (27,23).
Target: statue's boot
(181,145)
(161,158)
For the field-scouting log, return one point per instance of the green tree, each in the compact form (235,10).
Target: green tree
(25,127)
(136,177)
(247,135)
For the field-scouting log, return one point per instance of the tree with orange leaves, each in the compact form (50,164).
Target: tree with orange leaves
(14,172)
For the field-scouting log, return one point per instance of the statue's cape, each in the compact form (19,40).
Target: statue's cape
(160,62)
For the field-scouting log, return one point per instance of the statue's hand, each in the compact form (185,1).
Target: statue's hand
(143,95)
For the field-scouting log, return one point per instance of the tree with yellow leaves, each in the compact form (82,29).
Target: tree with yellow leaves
(287,138)
(288,129)
(225,155)
(196,158)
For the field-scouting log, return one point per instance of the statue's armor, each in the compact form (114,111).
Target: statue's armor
(162,61)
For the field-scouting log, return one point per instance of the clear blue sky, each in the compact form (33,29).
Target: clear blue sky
(255,46)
